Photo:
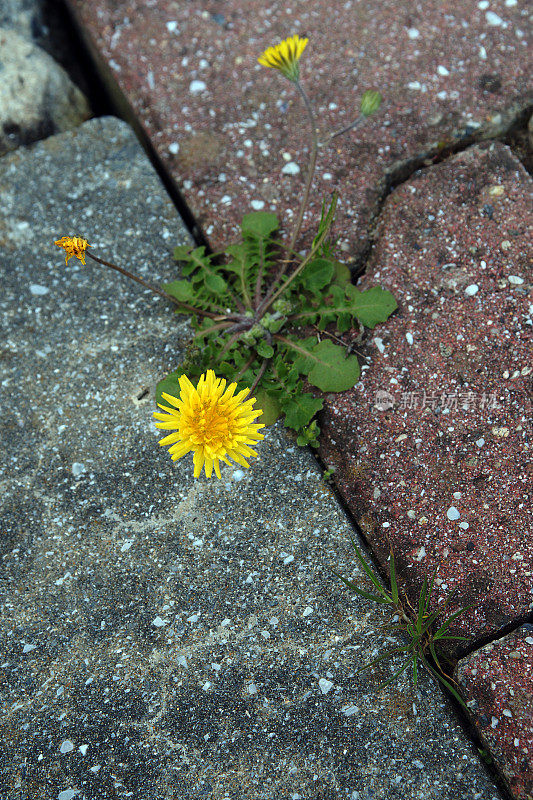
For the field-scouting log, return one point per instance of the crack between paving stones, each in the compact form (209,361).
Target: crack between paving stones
(509,130)
(466,723)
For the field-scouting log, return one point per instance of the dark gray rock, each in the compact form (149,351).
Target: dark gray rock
(37,98)
(163,637)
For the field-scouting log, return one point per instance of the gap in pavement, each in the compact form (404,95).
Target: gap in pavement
(106,98)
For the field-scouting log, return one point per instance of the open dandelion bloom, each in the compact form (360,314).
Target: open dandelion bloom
(73,246)
(285,56)
(212,421)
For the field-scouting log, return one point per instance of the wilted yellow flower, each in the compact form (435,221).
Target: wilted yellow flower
(285,56)
(211,421)
(73,246)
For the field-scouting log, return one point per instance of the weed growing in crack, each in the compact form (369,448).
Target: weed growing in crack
(264,315)
(417,624)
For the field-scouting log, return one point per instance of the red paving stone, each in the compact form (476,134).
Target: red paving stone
(444,69)
(444,474)
(498,679)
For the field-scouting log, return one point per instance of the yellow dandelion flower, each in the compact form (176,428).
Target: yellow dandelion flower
(212,421)
(285,56)
(73,246)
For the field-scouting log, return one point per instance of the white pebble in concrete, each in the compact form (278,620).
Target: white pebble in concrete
(195,87)
(38,290)
(291,168)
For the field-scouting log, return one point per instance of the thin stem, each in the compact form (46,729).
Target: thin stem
(259,281)
(311,167)
(245,367)
(258,377)
(347,128)
(136,278)
(271,297)
(303,205)
(154,289)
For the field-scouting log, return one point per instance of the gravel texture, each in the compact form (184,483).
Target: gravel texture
(163,637)
(499,679)
(432,445)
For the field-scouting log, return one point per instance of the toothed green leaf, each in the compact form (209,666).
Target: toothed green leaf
(325,364)
(371,306)
(300,409)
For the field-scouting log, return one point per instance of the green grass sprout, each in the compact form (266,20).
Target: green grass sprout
(419,626)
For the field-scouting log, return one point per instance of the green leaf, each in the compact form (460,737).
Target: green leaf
(325,364)
(421,605)
(397,673)
(443,628)
(445,683)
(383,657)
(370,102)
(181,290)
(259,223)
(300,409)
(371,306)
(369,572)
(269,405)
(242,264)
(181,253)
(367,595)
(308,435)
(434,654)
(342,303)
(168,384)
(264,349)
(317,274)
(326,219)
(342,273)
(215,283)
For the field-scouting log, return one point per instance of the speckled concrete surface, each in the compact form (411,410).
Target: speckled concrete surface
(432,445)
(499,679)
(163,637)
(233,133)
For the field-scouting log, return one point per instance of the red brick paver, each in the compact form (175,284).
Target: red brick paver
(431,447)
(499,680)
(228,129)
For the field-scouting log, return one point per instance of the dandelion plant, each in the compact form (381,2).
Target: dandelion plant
(266,315)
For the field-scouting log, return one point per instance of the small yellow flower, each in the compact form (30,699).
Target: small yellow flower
(285,56)
(73,246)
(211,421)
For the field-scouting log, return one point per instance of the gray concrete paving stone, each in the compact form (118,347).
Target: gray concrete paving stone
(163,637)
